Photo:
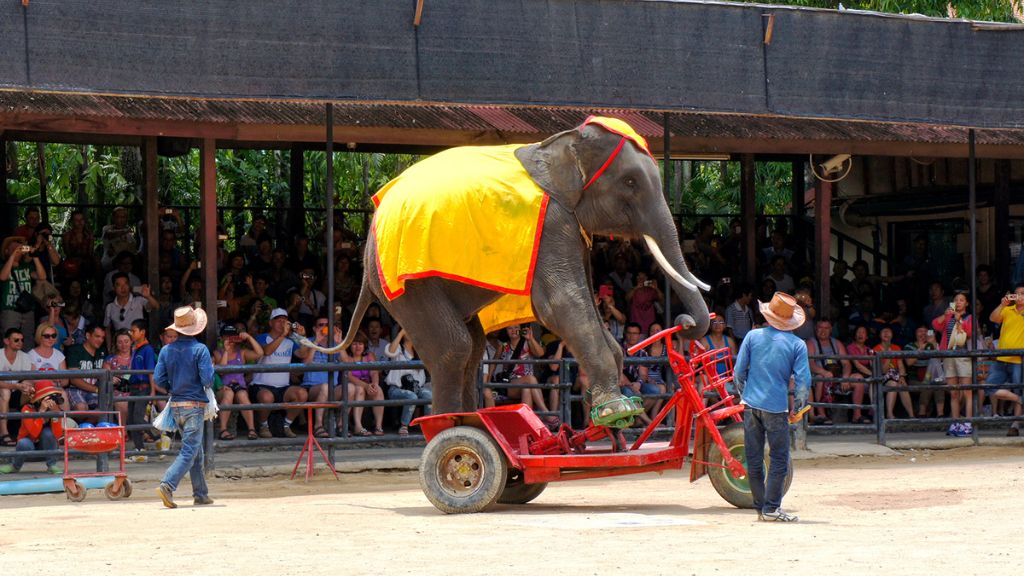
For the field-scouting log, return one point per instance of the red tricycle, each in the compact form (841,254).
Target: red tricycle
(507,455)
(95,440)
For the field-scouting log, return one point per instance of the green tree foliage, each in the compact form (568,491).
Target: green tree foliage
(988,10)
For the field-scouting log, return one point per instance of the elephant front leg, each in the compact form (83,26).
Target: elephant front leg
(609,407)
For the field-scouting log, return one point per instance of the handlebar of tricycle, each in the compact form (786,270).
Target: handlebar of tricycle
(666,334)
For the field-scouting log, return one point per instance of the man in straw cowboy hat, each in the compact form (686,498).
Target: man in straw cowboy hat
(185,369)
(767,359)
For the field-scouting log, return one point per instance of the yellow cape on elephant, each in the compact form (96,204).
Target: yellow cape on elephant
(470,214)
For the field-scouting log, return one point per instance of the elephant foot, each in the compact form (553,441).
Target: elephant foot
(617,412)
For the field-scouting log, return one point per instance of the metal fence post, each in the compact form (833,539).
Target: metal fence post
(208,450)
(876,385)
(105,402)
(565,391)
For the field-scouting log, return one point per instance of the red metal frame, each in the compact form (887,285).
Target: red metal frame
(94,441)
(546,456)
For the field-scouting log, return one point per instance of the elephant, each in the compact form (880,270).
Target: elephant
(597,178)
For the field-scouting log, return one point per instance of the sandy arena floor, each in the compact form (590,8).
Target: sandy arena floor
(943,512)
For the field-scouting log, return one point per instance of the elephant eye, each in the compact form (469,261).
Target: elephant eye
(629,181)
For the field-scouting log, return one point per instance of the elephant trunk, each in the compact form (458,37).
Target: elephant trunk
(683,282)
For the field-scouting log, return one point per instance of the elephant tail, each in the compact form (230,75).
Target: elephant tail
(365,298)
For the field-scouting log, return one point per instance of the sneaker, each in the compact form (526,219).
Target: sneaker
(777,516)
(138,459)
(1013,431)
(7,469)
(967,429)
(55,469)
(202,501)
(265,431)
(165,494)
(287,431)
(954,429)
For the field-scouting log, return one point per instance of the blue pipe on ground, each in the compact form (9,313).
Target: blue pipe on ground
(49,484)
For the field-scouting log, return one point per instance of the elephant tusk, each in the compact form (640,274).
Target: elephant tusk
(700,283)
(660,258)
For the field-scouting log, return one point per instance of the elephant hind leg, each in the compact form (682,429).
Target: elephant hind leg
(472,367)
(446,349)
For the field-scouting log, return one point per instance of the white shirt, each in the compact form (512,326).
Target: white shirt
(51,363)
(22,363)
(134,310)
(283,355)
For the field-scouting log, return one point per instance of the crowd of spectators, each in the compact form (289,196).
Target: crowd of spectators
(77,301)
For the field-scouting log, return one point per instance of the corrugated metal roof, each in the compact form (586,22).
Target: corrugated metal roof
(537,121)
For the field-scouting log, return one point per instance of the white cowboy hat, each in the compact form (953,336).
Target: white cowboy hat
(783,313)
(188,321)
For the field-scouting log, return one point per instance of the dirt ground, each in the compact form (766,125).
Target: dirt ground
(940,512)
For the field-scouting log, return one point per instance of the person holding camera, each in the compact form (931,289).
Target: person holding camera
(522,345)
(956,327)
(1006,372)
(644,300)
(21,270)
(40,433)
(127,306)
(406,383)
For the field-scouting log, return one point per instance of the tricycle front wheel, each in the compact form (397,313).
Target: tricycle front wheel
(463,470)
(736,491)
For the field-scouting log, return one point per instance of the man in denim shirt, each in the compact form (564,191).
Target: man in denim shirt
(185,369)
(767,359)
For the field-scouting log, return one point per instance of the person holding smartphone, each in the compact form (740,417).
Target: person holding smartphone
(21,270)
(1006,375)
(644,300)
(39,433)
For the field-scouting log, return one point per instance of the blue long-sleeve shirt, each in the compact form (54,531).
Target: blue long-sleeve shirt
(185,369)
(766,360)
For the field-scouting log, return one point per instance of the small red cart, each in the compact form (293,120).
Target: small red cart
(95,440)
(507,455)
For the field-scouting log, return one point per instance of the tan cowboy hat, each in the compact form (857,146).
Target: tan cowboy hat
(783,313)
(188,321)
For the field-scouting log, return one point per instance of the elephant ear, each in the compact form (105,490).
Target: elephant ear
(556,167)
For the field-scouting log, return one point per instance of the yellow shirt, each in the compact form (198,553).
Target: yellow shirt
(470,214)
(1011,334)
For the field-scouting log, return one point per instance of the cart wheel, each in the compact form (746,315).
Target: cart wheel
(77,493)
(736,491)
(113,494)
(516,492)
(126,489)
(462,470)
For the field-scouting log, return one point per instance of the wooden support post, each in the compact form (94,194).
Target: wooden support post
(748,208)
(208,224)
(796,212)
(44,210)
(6,221)
(151,217)
(1001,202)
(296,194)
(823,242)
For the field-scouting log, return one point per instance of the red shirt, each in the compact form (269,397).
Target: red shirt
(31,428)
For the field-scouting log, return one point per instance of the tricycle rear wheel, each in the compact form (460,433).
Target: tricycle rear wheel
(518,492)
(463,470)
(736,491)
(74,490)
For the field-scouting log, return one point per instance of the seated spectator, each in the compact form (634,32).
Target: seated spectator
(956,326)
(778,249)
(1005,373)
(376,342)
(313,301)
(841,288)
(257,234)
(768,290)
(521,345)
(89,355)
(369,381)
(859,347)
(894,374)
(233,352)
(645,299)
(633,381)
(276,387)
(605,301)
(739,317)
(143,358)
(71,323)
(75,295)
(191,285)
(117,237)
(315,383)
(177,262)
(783,281)
(126,306)
(656,372)
(621,278)
(939,303)
(282,280)
(21,270)
(28,229)
(406,383)
(824,344)
(79,248)
(40,433)
(13,359)
(167,300)
(920,371)
(53,309)
(261,260)
(717,339)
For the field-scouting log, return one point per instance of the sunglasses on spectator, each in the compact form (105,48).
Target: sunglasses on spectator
(122,315)
(17,340)
(50,335)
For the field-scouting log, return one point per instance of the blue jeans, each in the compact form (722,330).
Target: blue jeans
(1000,373)
(190,458)
(398,393)
(47,441)
(759,426)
